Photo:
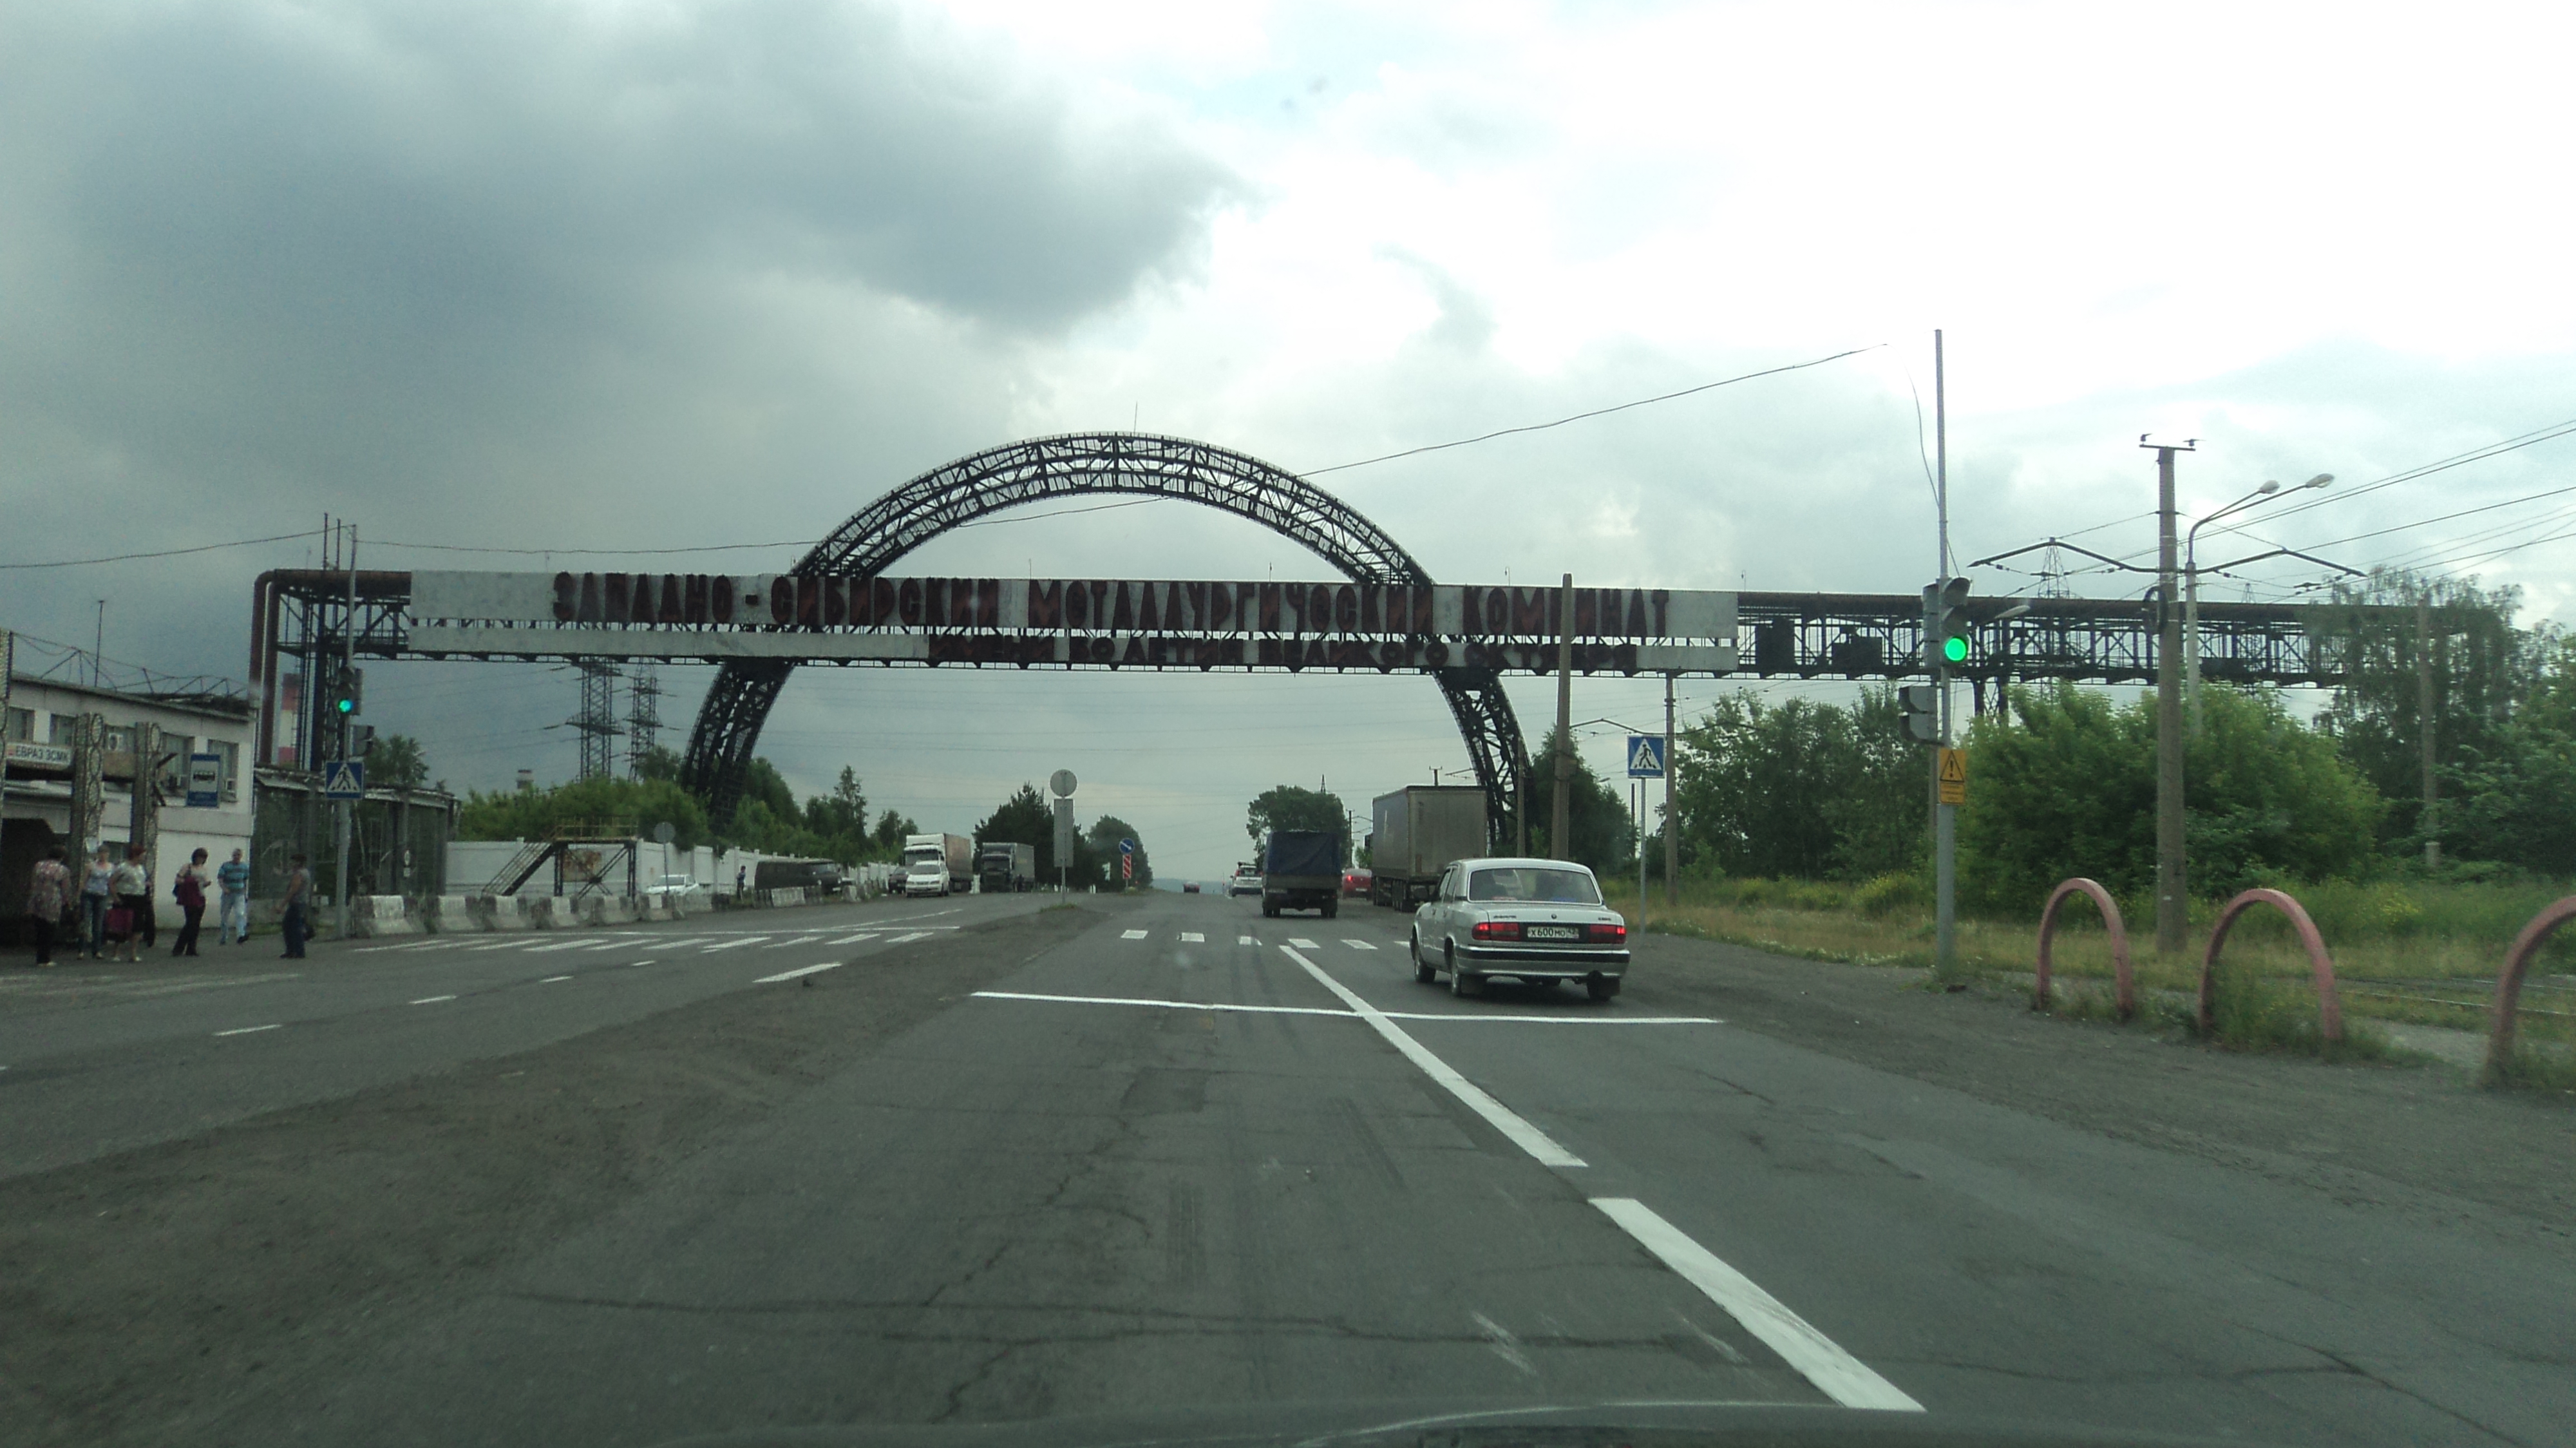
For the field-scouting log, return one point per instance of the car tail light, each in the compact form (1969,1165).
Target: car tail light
(1607,934)
(1498,930)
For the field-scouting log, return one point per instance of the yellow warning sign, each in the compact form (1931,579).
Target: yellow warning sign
(1954,776)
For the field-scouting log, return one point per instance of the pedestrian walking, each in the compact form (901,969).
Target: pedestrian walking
(49,903)
(95,879)
(189,889)
(129,891)
(233,878)
(299,898)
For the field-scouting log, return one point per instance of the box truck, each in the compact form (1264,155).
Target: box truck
(1302,870)
(937,864)
(1418,832)
(1003,868)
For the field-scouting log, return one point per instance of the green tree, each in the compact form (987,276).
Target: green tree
(1597,819)
(658,762)
(1291,807)
(1801,789)
(397,760)
(843,812)
(583,807)
(2483,667)
(1023,819)
(1103,837)
(2063,782)
(892,826)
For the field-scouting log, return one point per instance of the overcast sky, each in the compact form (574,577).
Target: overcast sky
(674,275)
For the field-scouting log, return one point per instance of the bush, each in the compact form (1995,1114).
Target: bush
(1903,891)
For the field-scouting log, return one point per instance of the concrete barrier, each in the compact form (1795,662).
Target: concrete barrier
(784,896)
(549,912)
(505,912)
(374,915)
(607,910)
(448,915)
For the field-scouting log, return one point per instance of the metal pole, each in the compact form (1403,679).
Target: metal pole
(1672,844)
(2173,917)
(1638,806)
(1558,841)
(2191,626)
(2425,724)
(1945,822)
(340,731)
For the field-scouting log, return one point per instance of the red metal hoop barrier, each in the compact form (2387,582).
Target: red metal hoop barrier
(2508,987)
(2125,990)
(2329,1005)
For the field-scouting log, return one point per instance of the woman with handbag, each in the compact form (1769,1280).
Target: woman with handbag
(130,889)
(189,889)
(94,900)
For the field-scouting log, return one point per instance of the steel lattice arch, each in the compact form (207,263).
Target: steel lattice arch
(1081,465)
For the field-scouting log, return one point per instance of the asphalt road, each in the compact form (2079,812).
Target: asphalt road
(1164,1151)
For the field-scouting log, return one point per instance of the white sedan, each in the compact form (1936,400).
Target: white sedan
(1538,921)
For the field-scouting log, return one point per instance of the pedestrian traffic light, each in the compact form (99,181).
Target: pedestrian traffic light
(1945,625)
(344,693)
(1922,705)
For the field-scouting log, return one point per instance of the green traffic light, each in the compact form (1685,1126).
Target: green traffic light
(1954,649)
(345,705)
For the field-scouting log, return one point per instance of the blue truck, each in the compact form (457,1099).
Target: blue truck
(1302,870)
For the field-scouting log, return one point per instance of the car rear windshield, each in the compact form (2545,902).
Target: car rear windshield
(1553,887)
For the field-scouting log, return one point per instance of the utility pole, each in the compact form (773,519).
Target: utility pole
(2173,916)
(2424,724)
(1945,816)
(1557,831)
(1672,845)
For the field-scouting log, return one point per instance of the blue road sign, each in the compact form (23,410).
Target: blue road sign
(205,780)
(1645,756)
(344,779)
(1126,847)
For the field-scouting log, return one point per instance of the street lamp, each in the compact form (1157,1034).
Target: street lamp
(2191,583)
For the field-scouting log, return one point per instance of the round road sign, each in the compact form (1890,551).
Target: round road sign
(1061,782)
(664,833)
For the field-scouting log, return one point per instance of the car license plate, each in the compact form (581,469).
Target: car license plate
(1554,932)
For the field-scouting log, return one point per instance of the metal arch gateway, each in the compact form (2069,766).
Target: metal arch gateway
(1084,464)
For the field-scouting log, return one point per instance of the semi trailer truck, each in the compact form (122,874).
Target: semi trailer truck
(1005,868)
(1418,832)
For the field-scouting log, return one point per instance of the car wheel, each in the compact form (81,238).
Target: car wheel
(1424,972)
(1332,909)
(1601,987)
(1459,982)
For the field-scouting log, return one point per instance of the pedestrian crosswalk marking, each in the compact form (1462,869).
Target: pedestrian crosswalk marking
(1192,937)
(855,939)
(1301,943)
(1132,935)
(730,944)
(1245,940)
(1357,944)
(915,935)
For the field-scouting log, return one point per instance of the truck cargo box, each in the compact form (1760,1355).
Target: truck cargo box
(1418,832)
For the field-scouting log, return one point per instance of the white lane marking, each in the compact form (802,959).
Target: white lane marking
(550,980)
(1131,935)
(801,970)
(797,940)
(605,945)
(409,945)
(630,965)
(1523,1135)
(854,939)
(558,945)
(247,1030)
(1837,1374)
(432,1000)
(1013,995)
(730,944)
(1245,940)
(1357,944)
(1192,937)
(915,935)
(1301,944)
(496,945)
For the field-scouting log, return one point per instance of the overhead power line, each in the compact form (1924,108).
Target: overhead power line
(1582,416)
(166,552)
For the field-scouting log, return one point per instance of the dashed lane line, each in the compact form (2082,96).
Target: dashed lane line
(1821,1361)
(550,980)
(1192,937)
(1013,995)
(800,970)
(731,944)
(1503,1119)
(432,1000)
(916,935)
(252,1030)
(854,939)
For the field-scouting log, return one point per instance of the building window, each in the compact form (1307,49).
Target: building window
(229,767)
(174,772)
(20,727)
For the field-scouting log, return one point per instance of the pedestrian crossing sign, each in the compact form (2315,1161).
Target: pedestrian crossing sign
(1645,756)
(344,779)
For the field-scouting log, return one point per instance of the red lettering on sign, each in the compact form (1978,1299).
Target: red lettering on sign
(988,602)
(1046,605)
(907,602)
(1269,620)
(1148,617)
(1661,599)
(614,598)
(567,598)
(720,592)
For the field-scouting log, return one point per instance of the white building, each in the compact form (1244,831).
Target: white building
(198,769)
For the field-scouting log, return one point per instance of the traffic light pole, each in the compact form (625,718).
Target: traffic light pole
(1945,817)
(348,667)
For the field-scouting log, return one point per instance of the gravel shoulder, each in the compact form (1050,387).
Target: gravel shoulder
(149,1292)
(2415,1136)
